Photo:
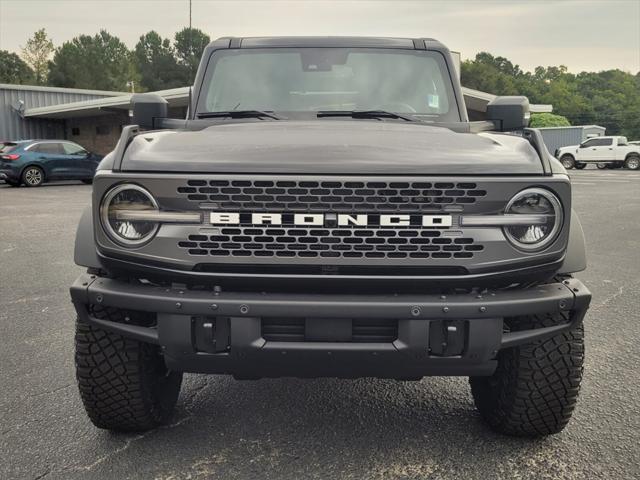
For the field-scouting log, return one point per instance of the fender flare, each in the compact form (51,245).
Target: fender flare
(575,259)
(84,253)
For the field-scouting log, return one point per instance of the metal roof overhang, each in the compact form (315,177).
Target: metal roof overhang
(179,97)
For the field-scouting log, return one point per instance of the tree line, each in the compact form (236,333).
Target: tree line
(103,61)
(610,98)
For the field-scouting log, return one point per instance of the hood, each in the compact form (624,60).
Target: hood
(331,147)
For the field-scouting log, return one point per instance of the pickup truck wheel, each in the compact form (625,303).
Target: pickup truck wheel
(632,162)
(580,166)
(567,161)
(535,387)
(124,384)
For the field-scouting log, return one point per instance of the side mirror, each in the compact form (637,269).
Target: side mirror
(147,109)
(509,113)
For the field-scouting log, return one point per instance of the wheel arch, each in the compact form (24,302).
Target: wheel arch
(35,164)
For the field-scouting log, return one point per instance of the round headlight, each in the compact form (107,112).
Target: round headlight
(545,208)
(118,212)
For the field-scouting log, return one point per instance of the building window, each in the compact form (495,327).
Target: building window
(75,131)
(103,130)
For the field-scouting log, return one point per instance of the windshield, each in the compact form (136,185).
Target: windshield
(321,79)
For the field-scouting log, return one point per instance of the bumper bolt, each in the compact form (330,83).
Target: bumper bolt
(562,305)
(244,309)
(445,309)
(415,311)
(443,297)
(483,309)
(99,299)
(213,306)
(178,305)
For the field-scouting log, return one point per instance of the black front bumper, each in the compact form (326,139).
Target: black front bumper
(222,332)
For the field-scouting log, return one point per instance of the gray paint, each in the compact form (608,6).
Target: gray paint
(498,255)
(14,127)
(557,137)
(331,147)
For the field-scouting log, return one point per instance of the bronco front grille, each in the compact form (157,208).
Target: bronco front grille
(330,196)
(370,242)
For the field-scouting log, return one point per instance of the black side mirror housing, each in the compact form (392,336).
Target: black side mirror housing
(509,113)
(148,109)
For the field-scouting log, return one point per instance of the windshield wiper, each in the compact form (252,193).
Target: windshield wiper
(240,114)
(366,114)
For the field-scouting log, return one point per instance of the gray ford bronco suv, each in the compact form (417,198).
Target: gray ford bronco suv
(328,209)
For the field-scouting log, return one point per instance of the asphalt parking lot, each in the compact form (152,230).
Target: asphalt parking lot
(296,429)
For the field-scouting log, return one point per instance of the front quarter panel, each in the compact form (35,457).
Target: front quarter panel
(84,253)
(576,258)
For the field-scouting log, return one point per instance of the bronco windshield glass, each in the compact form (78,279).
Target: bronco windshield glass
(320,79)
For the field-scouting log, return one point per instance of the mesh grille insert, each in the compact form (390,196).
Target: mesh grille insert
(266,241)
(337,196)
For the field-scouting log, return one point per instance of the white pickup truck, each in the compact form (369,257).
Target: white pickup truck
(605,152)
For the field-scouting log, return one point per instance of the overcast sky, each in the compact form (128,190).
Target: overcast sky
(581,34)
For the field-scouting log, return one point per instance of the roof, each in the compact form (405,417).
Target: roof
(327,41)
(477,100)
(572,126)
(38,88)
(175,97)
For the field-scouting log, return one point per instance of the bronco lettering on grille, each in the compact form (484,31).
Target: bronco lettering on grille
(331,219)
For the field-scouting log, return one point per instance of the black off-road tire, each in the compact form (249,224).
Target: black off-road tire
(124,384)
(534,389)
(568,161)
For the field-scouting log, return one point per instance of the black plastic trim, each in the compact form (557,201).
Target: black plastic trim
(250,355)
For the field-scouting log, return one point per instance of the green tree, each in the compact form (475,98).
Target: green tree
(156,62)
(539,120)
(100,62)
(189,45)
(609,98)
(36,54)
(13,69)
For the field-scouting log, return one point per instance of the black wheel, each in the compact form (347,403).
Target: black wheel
(632,162)
(87,181)
(535,387)
(567,161)
(124,384)
(601,166)
(33,176)
(580,166)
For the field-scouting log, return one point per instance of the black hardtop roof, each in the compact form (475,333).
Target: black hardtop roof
(354,42)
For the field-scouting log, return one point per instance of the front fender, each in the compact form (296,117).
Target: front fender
(576,258)
(84,253)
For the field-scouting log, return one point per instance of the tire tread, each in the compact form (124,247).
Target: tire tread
(535,387)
